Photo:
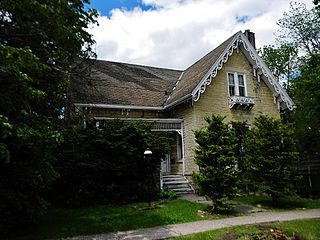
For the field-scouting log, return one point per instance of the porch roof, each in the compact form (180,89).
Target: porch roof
(159,124)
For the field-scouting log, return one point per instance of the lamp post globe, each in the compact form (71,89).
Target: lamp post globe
(147,152)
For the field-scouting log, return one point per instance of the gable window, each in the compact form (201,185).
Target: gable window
(231,84)
(237,84)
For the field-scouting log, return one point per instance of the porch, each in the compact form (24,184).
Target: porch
(172,168)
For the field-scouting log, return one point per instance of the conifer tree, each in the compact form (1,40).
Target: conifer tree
(215,155)
(271,153)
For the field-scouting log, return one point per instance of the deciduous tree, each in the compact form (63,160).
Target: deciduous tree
(300,27)
(282,61)
(40,41)
(306,95)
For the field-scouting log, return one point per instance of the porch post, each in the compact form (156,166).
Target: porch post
(161,175)
(183,153)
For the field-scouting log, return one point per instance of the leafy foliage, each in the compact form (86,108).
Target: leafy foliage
(26,173)
(167,194)
(317,3)
(266,156)
(301,28)
(107,165)
(215,155)
(54,33)
(272,154)
(282,60)
(240,130)
(39,43)
(297,38)
(306,95)
(27,140)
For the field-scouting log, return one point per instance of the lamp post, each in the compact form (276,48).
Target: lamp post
(147,154)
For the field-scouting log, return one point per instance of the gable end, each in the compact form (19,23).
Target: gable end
(280,96)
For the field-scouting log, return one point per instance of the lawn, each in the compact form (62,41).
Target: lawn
(60,223)
(285,204)
(298,230)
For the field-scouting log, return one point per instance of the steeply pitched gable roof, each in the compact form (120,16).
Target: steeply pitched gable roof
(133,86)
(193,75)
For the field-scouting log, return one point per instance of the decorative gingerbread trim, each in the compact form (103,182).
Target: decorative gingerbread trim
(240,38)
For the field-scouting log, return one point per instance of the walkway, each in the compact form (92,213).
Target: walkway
(175,230)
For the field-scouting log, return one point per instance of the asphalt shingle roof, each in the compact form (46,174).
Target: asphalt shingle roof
(124,84)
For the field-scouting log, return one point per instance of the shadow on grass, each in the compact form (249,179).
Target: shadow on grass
(283,204)
(231,210)
(61,223)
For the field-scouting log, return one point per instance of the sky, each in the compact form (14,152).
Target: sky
(176,33)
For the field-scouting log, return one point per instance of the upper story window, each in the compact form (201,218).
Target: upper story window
(237,84)
(238,97)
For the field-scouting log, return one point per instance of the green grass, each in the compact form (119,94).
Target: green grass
(305,229)
(60,223)
(284,203)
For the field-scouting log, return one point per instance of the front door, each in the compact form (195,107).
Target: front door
(166,166)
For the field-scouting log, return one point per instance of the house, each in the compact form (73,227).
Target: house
(231,80)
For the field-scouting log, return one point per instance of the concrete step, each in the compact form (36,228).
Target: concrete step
(172,175)
(171,187)
(182,190)
(174,178)
(177,183)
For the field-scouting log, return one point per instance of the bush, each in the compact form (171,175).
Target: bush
(26,174)
(167,194)
(107,165)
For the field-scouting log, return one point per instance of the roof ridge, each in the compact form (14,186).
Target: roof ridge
(175,85)
(137,65)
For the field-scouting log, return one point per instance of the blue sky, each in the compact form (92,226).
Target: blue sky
(105,6)
(176,33)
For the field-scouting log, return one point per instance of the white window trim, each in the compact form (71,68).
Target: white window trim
(236,83)
(179,148)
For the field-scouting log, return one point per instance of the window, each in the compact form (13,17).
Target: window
(237,85)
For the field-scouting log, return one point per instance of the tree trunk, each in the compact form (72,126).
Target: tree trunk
(275,199)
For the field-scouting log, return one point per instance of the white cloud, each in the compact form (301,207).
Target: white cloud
(163,3)
(176,33)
